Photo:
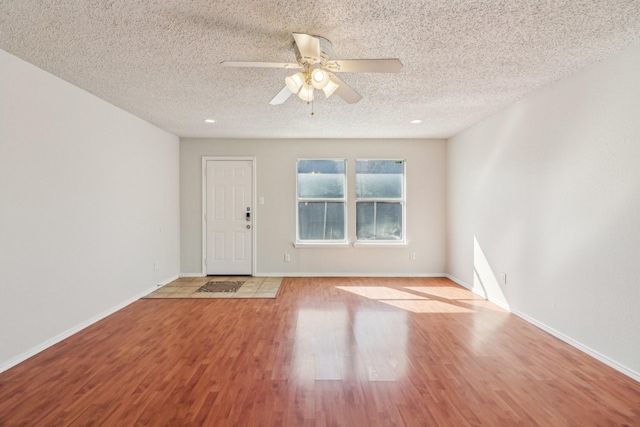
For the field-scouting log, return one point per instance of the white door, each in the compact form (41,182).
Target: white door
(229,217)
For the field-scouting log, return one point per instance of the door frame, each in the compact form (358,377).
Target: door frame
(254,221)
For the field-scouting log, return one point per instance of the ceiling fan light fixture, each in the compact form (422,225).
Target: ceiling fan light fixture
(319,78)
(306,93)
(295,82)
(318,75)
(329,88)
(312,56)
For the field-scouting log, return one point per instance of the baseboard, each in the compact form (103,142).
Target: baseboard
(591,352)
(500,304)
(169,280)
(368,274)
(191,275)
(66,334)
(461,283)
(604,359)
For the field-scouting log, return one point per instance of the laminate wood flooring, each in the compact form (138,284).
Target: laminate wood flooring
(326,352)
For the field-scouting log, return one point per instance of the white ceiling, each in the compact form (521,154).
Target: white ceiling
(463,59)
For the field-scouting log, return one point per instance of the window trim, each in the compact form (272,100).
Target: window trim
(338,244)
(378,243)
(344,200)
(403,203)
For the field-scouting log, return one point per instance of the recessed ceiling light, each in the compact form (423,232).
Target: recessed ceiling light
(209,121)
(415,122)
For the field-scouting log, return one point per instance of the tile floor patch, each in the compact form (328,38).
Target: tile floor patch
(198,287)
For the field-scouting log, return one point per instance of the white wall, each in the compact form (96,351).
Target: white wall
(548,191)
(89,199)
(275,220)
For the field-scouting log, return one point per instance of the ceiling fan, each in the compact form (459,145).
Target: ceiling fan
(312,56)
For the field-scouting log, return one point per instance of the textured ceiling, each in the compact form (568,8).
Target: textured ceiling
(463,59)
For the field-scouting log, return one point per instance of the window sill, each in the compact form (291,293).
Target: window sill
(339,245)
(377,244)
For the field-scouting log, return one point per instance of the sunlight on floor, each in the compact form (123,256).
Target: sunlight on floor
(426,300)
(379,292)
(412,302)
(447,292)
(427,306)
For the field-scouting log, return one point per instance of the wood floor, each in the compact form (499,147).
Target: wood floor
(326,352)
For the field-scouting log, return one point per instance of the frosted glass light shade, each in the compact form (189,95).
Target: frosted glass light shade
(306,93)
(295,82)
(329,88)
(319,78)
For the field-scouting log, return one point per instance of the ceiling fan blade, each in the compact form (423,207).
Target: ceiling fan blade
(259,64)
(282,96)
(365,66)
(308,46)
(344,91)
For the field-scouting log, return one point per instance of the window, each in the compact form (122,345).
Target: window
(321,200)
(380,200)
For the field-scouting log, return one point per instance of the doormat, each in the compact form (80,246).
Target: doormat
(221,287)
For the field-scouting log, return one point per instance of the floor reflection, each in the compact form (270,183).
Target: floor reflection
(427,306)
(382,342)
(369,340)
(330,345)
(322,340)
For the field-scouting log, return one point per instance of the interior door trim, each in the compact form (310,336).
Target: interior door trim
(254,221)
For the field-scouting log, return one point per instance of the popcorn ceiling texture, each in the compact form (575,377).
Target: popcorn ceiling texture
(463,59)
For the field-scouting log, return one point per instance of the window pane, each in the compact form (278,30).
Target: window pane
(364,221)
(388,221)
(378,221)
(335,221)
(379,179)
(380,166)
(321,220)
(321,166)
(378,186)
(321,179)
(323,186)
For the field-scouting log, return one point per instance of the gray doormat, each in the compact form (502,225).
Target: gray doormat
(225,286)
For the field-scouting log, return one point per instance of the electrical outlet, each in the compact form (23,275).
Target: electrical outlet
(412,256)
(504,278)
(287,257)
(155,265)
